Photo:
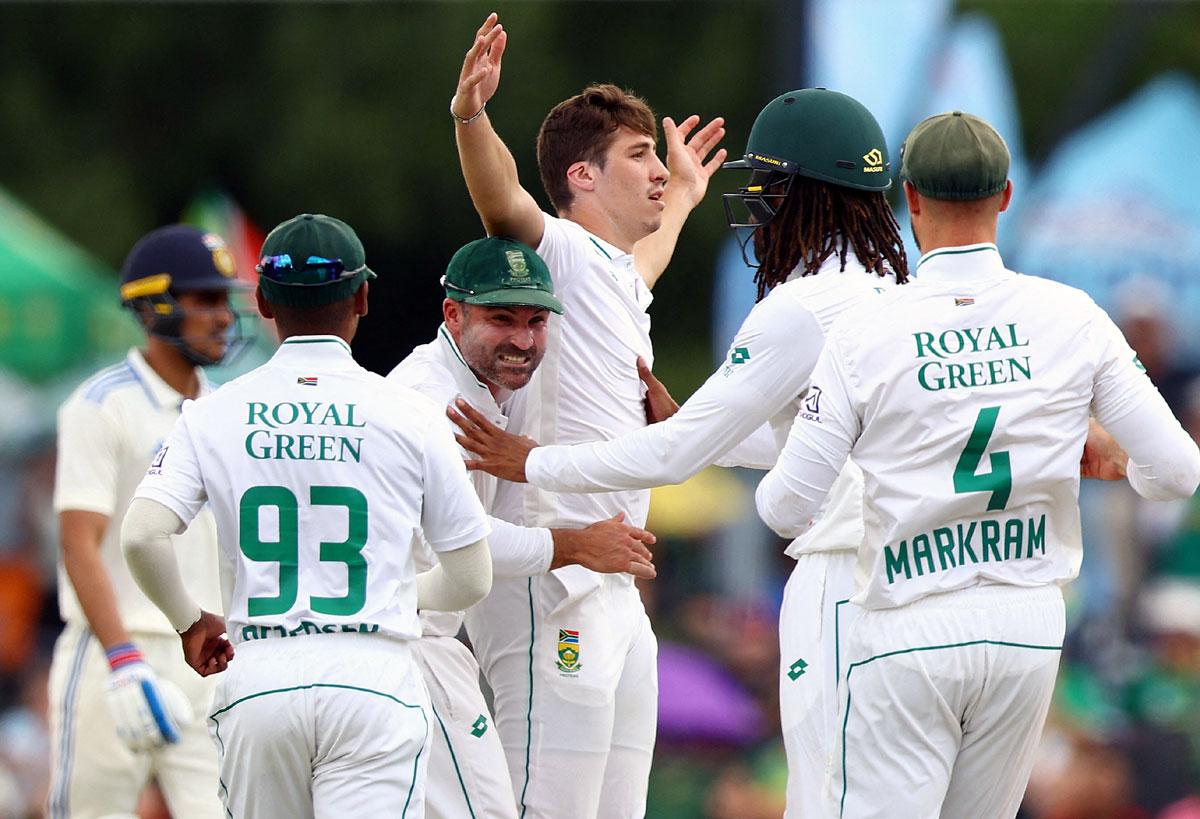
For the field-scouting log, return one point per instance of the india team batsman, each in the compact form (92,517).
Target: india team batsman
(965,398)
(320,476)
(124,707)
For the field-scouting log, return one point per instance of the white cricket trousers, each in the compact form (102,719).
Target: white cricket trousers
(575,679)
(813,623)
(944,703)
(468,775)
(92,772)
(323,725)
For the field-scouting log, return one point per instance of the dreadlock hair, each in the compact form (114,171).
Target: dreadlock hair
(818,219)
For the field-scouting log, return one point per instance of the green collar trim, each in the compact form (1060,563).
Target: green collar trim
(318,340)
(444,333)
(600,248)
(958,252)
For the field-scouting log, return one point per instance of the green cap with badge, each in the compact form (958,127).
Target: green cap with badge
(955,156)
(821,134)
(312,260)
(498,271)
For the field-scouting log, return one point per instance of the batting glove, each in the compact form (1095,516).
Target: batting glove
(147,711)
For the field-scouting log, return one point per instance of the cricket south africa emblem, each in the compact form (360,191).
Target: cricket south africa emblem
(516,263)
(568,651)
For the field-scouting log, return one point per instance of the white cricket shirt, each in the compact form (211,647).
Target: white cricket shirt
(964,397)
(438,371)
(321,476)
(587,387)
(765,372)
(109,430)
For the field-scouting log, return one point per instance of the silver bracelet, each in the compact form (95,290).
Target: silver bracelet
(465,120)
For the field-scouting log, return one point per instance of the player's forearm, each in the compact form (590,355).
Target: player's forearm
(791,494)
(707,426)
(492,180)
(93,588)
(653,253)
(1164,461)
(146,541)
(519,551)
(461,579)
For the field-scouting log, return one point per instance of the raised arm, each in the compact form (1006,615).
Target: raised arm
(685,188)
(488,167)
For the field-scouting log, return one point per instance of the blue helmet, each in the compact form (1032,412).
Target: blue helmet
(171,260)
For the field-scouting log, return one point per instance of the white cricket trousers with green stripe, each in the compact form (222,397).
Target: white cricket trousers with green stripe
(468,775)
(944,703)
(578,735)
(323,726)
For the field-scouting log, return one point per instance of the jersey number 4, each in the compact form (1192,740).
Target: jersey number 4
(286,550)
(999,480)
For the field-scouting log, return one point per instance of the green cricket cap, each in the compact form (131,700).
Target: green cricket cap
(955,156)
(821,134)
(312,260)
(499,271)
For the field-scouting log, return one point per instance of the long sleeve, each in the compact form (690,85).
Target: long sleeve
(519,551)
(817,447)
(769,364)
(1164,461)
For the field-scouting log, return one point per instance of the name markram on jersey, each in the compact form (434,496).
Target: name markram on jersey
(266,442)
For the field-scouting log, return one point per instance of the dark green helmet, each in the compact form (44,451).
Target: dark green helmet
(813,132)
(821,134)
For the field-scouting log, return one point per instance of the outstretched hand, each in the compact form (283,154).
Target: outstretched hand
(686,156)
(659,404)
(608,546)
(498,452)
(480,76)
(205,646)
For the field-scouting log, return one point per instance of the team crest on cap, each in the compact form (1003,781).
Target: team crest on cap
(568,651)
(516,264)
(222,258)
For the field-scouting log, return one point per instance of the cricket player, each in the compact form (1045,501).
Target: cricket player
(320,476)
(124,707)
(964,398)
(814,206)
(499,296)
(570,655)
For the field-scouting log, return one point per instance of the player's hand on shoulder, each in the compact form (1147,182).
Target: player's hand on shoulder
(608,546)
(147,711)
(659,404)
(206,648)
(497,452)
(480,76)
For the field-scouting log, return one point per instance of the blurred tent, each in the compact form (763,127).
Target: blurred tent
(58,305)
(1116,204)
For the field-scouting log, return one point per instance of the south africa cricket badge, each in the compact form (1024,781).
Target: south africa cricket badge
(568,651)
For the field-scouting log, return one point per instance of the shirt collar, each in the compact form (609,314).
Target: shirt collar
(463,373)
(961,262)
(609,251)
(314,351)
(159,392)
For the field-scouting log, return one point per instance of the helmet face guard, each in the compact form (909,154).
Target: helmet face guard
(754,206)
(162,317)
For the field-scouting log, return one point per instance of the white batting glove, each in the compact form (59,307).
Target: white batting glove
(147,711)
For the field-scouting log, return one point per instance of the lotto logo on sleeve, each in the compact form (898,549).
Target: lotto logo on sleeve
(568,651)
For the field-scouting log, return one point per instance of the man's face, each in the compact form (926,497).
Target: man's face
(503,345)
(629,188)
(206,321)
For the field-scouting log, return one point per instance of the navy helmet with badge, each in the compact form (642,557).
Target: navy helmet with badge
(178,259)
